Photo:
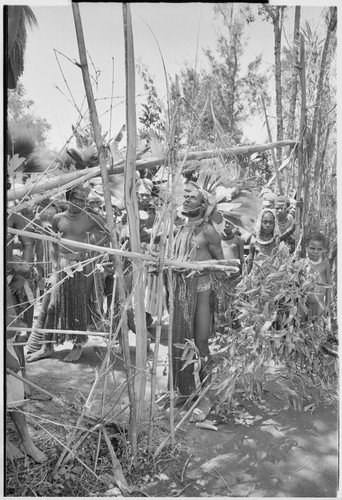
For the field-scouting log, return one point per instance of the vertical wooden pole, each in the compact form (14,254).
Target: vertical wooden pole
(301,209)
(133,214)
(108,205)
(274,159)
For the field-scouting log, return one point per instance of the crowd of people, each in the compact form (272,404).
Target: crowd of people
(73,295)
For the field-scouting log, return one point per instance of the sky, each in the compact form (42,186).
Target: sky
(182,31)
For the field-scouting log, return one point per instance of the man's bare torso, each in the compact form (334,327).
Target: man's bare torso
(73,229)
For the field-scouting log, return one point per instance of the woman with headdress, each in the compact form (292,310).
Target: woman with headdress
(266,237)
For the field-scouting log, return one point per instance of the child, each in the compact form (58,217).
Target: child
(233,247)
(319,301)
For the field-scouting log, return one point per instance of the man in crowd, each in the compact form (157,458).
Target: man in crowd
(15,395)
(285,220)
(67,306)
(18,274)
(195,240)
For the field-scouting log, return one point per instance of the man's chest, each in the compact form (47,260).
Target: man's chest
(77,227)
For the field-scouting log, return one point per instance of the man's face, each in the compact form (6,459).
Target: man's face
(267,223)
(77,203)
(281,207)
(314,250)
(144,199)
(192,204)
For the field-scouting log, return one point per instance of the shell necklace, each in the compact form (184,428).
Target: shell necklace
(315,262)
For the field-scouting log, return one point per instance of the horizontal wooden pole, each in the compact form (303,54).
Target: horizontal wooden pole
(46,184)
(31,384)
(124,253)
(47,330)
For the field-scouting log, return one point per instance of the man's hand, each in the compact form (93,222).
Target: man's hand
(12,363)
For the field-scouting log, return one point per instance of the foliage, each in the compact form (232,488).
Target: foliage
(21,115)
(259,166)
(152,117)
(275,342)
(232,94)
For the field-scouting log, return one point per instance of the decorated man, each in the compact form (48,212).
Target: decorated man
(68,304)
(195,240)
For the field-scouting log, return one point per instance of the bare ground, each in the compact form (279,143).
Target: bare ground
(261,449)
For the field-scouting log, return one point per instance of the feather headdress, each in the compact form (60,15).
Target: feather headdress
(227,196)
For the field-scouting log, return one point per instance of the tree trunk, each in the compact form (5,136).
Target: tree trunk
(331,28)
(274,159)
(317,132)
(301,157)
(107,197)
(294,91)
(276,14)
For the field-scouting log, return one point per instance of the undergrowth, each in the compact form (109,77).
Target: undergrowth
(275,342)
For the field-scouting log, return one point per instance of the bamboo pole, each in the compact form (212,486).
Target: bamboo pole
(156,343)
(45,185)
(173,177)
(34,386)
(78,423)
(133,223)
(117,469)
(300,210)
(170,355)
(274,159)
(180,423)
(116,252)
(281,168)
(107,197)
(46,330)
(56,191)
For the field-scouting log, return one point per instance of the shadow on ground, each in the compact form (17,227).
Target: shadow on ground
(261,449)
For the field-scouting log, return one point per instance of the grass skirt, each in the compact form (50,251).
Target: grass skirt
(185,296)
(71,307)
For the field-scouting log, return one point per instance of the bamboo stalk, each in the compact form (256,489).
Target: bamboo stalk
(300,211)
(169,350)
(116,252)
(33,385)
(46,330)
(157,342)
(117,469)
(274,159)
(66,450)
(180,423)
(58,190)
(281,168)
(79,420)
(133,223)
(103,168)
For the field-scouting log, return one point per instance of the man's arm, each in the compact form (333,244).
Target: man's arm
(55,246)
(18,222)
(241,253)
(250,256)
(288,232)
(99,228)
(328,281)
(214,243)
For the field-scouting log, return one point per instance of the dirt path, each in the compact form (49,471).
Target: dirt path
(260,450)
